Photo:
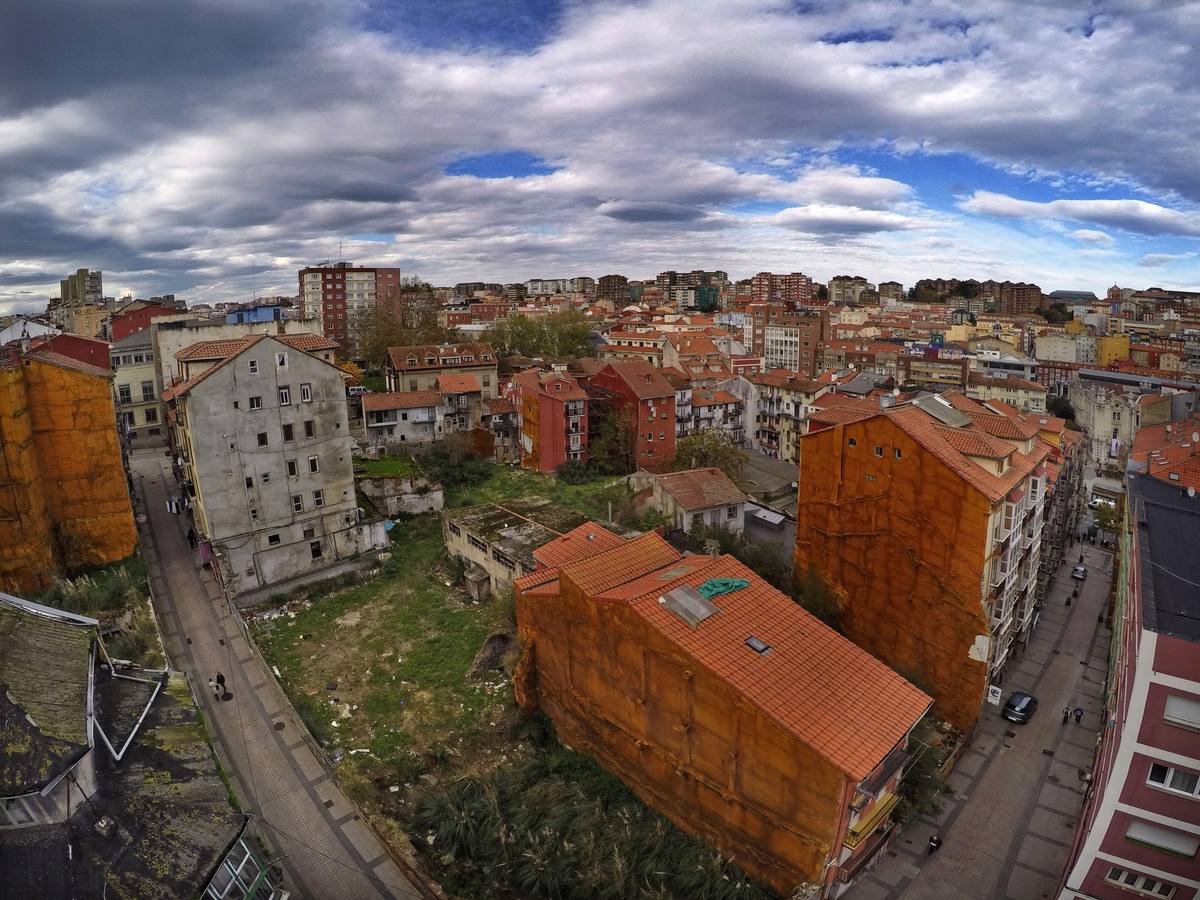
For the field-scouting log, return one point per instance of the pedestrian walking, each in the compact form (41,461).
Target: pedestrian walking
(935,841)
(191,538)
(1066,714)
(212,686)
(221,686)
(1078,714)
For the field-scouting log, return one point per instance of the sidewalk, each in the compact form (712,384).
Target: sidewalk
(1007,827)
(324,849)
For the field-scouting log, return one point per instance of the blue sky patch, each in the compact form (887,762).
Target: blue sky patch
(501,164)
(520,25)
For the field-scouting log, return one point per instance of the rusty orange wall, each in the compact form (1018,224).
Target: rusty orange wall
(679,737)
(907,552)
(77,464)
(530,416)
(26,556)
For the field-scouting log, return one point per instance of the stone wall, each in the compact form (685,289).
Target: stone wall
(396,495)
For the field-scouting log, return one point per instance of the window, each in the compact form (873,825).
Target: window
(1176,843)
(310,428)
(851,442)
(1009,512)
(297,503)
(306,393)
(878,450)
(123,394)
(318,499)
(1182,711)
(454,529)
(281,360)
(314,464)
(285,396)
(147,391)
(254,513)
(289,433)
(412,384)
(293,469)
(1174,779)
(273,540)
(249,482)
(1144,883)
(731,512)
(315,549)
(897,453)
(262,439)
(476,542)
(252,365)
(256,402)
(151,415)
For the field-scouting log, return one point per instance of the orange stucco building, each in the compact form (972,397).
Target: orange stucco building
(64,499)
(927,518)
(739,716)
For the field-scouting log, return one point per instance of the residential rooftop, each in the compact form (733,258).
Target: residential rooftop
(518,527)
(1166,520)
(704,488)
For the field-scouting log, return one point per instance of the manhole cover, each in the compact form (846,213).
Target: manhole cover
(1047,753)
(279,726)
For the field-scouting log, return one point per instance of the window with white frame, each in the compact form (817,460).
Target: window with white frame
(297,503)
(1153,886)
(314,464)
(252,366)
(285,395)
(1177,843)
(318,499)
(1182,711)
(1174,779)
(256,402)
(306,393)
(281,360)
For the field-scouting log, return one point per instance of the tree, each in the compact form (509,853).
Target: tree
(709,449)
(557,334)
(611,452)
(403,317)
(1108,517)
(1061,407)
(1056,313)
(352,369)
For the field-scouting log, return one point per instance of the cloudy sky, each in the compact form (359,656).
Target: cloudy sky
(211,148)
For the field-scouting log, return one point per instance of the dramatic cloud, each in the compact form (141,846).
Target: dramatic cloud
(213,147)
(1131,215)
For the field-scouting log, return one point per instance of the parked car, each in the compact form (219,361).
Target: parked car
(1096,503)
(1020,707)
(358,390)
(1079,573)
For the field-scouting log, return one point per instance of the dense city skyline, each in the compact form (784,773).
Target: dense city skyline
(212,152)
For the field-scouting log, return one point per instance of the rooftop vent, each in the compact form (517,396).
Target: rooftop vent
(685,602)
(759,646)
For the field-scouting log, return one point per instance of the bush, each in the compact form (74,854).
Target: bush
(558,826)
(575,472)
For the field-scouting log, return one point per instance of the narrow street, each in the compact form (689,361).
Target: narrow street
(315,834)
(1007,826)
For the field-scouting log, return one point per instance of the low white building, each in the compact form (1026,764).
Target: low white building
(696,497)
(401,419)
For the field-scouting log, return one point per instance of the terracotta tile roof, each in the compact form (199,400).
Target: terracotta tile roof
(643,379)
(693,345)
(552,384)
(226,347)
(458,384)
(711,398)
(1016,384)
(400,400)
(481,353)
(577,544)
(178,390)
(845,410)
(954,445)
(1182,472)
(69,362)
(836,698)
(681,381)
(500,407)
(613,567)
(701,488)
(1001,426)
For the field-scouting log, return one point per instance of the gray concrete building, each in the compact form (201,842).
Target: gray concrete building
(263,443)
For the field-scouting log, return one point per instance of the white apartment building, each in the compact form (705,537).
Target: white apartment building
(263,442)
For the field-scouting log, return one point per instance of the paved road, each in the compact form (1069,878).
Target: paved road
(327,853)
(1008,826)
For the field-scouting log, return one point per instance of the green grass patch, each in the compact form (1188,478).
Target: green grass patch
(591,498)
(376,383)
(386,467)
(397,647)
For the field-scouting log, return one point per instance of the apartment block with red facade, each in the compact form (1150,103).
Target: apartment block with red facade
(136,317)
(1139,831)
(341,293)
(639,392)
(720,702)
(553,411)
(793,289)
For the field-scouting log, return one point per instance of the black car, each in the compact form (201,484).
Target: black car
(1020,707)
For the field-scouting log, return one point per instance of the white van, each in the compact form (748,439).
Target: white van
(358,390)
